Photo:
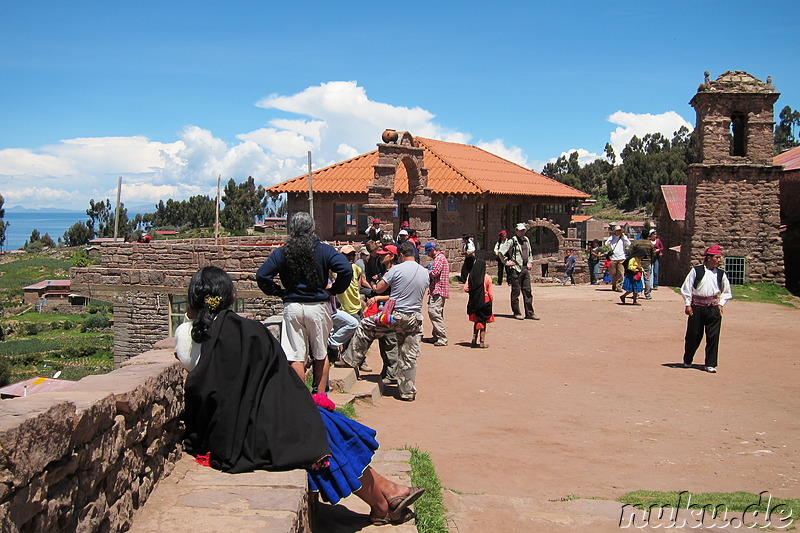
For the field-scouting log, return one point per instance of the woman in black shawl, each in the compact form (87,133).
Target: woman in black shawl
(246,409)
(479,305)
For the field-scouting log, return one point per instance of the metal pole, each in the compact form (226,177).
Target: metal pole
(216,221)
(310,189)
(116,218)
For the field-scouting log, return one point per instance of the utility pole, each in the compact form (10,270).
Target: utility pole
(216,220)
(310,189)
(116,217)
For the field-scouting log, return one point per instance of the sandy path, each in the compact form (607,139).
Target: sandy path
(587,402)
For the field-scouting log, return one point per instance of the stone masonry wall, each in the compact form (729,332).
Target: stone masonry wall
(738,208)
(140,280)
(86,457)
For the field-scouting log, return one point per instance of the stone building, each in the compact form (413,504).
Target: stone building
(147,284)
(442,189)
(669,214)
(790,215)
(732,196)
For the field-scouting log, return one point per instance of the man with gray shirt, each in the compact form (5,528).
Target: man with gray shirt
(408,282)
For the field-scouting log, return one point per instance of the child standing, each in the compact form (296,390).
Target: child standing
(569,268)
(479,305)
(633,278)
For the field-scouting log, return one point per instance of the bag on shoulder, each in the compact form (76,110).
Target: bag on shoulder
(385,316)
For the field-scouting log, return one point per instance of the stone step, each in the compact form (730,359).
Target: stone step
(351,514)
(341,398)
(342,379)
(366,390)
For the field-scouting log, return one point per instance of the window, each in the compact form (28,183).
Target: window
(480,226)
(349,219)
(177,310)
(510,217)
(553,209)
(735,270)
(178,306)
(739,134)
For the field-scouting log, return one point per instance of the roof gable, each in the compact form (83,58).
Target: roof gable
(452,169)
(790,159)
(675,200)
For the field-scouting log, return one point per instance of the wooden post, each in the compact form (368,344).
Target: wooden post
(216,220)
(116,217)
(310,189)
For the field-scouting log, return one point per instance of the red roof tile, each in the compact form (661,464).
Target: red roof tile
(790,159)
(63,283)
(452,169)
(35,386)
(675,198)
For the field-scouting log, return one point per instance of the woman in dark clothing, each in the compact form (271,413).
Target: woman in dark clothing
(479,305)
(247,410)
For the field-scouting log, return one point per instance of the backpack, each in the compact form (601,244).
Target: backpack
(700,271)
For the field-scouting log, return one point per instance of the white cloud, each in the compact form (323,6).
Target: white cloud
(631,124)
(584,157)
(336,121)
(512,153)
(347,151)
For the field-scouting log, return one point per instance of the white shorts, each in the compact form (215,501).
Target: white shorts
(306,327)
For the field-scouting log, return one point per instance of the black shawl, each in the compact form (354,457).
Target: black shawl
(246,406)
(477,294)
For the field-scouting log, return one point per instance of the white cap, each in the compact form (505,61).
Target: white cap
(403,232)
(521,226)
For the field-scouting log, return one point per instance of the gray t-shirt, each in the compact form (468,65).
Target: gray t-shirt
(408,282)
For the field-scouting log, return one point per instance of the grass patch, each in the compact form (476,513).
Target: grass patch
(733,501)
(429,507)
(348,410)
(763,292)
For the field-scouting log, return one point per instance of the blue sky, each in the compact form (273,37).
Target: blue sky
(170,94)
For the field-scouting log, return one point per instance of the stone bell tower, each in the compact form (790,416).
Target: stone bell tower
(732,196)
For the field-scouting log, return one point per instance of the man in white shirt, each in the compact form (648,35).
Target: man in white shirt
(617,243)
(705,292)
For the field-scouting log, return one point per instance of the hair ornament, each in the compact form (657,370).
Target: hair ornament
(212,302)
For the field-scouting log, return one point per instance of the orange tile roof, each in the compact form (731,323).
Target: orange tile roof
(581,218)
(790,159)
(452,169)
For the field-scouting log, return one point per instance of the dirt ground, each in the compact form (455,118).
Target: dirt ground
(591,402)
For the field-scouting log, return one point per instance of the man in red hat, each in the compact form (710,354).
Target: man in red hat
(705,292)
(374,232)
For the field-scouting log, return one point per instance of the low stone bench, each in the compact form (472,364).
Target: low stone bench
(205,500)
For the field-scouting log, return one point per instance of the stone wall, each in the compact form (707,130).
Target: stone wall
(141,280)
(86,457)
(737,207)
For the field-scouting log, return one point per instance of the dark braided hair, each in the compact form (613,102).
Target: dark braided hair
(210,292)
(299,248)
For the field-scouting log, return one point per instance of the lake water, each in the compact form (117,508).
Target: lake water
(22,223)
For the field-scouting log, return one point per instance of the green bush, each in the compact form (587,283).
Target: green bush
(5,372)
(73,352)
(96,321)
(30,328)
(27,359)
(67,325)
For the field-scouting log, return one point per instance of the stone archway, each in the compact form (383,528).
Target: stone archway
(548,251)
(398,148)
